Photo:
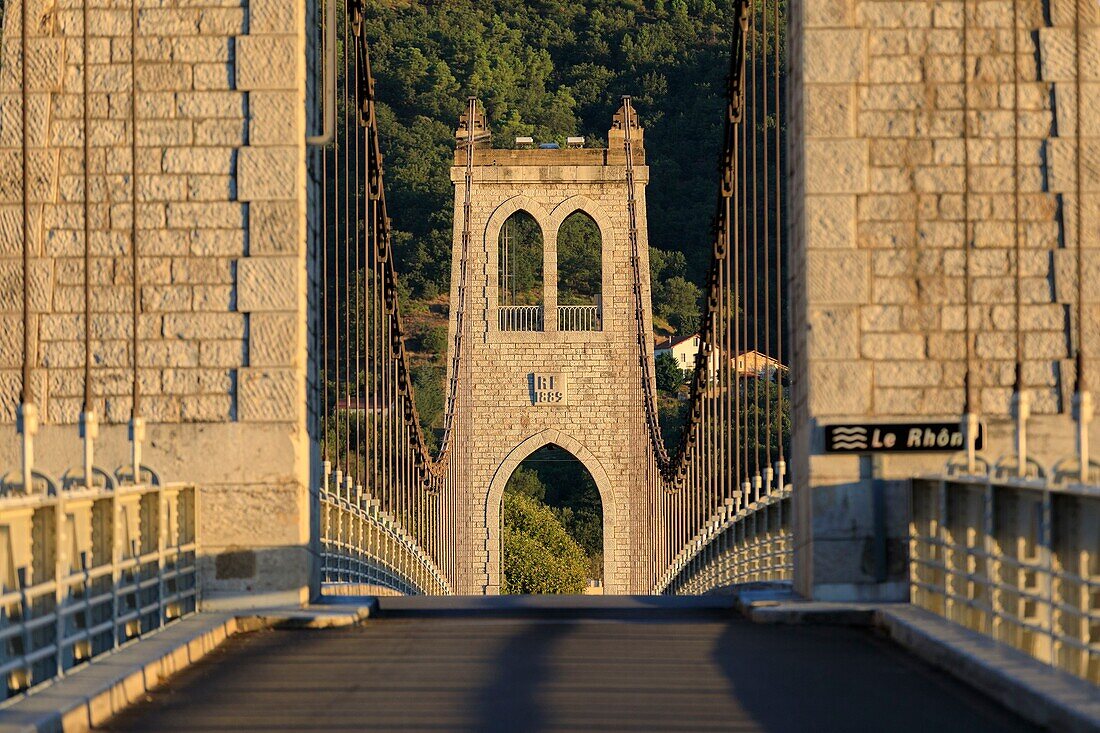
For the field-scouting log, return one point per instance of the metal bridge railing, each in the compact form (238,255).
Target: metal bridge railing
(580,318)
(84,571)
(745,546)
(363,546)
(1012,559)
(520,317)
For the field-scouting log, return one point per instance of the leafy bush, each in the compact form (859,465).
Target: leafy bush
(525,481)
(669,374)
(539,555)
(433,340)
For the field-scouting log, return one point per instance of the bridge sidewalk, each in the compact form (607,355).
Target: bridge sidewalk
(92,694)
(1042,694)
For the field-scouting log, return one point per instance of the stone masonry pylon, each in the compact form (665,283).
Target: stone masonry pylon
(595,408)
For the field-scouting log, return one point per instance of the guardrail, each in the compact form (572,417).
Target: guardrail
(85,570)
(362,545)
(579,318)
(520,317)
(745,546)
(1016,560)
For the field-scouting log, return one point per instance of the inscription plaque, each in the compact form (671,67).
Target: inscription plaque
(548,388)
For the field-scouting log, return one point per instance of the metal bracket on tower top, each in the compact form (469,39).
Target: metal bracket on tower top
(473,127)
(328,109)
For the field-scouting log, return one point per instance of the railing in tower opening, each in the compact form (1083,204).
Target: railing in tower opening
(580,318)
(387,505)
(723,495)
(531,317)
(520,317)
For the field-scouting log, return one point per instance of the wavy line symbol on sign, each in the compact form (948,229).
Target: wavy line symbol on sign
(849,438)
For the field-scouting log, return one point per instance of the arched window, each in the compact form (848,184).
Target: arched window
(580,274)
(519,275)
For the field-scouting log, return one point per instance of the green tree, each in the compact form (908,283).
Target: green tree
(673,416)
(579,260)
(520,257)
(428,394)
(669,374)
(539,555)
(525,481)
(678,301)
(433,341)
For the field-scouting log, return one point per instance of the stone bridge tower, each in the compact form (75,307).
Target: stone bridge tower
(535,378)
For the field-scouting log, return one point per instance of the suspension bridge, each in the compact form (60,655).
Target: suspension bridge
(210,414)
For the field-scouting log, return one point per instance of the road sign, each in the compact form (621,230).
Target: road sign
(917,437)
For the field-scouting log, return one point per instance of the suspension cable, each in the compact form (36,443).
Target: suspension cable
(326,319)
(1021,397)
(339,141)
(764,56)
(1082,396)
(969,403)
(87,402)
(25,389)
(754,132)
(357,284)
(135,406)
(346,247)
(779,280)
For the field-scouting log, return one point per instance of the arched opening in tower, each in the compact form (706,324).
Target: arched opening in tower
(551,527)
(580,273)
(520,274)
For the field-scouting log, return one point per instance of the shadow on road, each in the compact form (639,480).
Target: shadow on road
(795,679)
(520,672)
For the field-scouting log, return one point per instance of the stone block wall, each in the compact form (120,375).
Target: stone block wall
(903,126)
(221,188)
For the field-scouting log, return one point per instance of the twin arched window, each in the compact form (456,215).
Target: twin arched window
(574,302)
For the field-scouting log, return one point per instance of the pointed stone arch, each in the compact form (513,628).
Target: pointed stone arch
(509,465)
(510,206)
(574,204)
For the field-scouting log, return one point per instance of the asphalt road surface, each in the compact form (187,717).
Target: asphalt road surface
(564,665)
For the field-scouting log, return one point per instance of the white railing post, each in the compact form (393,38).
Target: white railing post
(1084,411)
(970,435)
(1021,411)
(60,574)
(137,437)
(27,425)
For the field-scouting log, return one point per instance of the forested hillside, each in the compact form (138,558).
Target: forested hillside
(549,69)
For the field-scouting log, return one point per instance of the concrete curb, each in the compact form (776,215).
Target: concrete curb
(1035,691)
(773,612)
(92,695)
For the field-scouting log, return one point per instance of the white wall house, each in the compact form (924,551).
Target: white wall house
(746,364)
(682,348)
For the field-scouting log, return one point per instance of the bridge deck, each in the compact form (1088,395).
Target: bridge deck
(578,664)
